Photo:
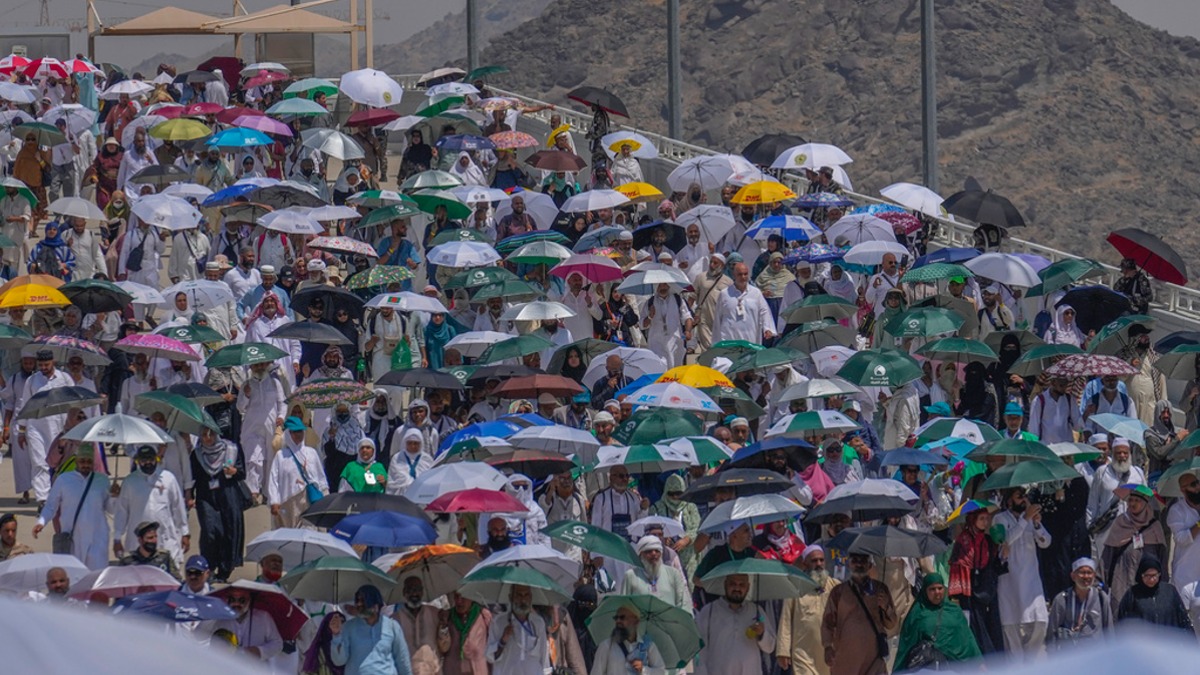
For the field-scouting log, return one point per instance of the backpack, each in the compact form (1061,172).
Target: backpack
(47,262)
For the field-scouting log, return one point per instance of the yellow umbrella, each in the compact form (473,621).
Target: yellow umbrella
(34,295)
(180,129)
(763,192)
(639,192)
(26,279)
(696,376)
(561,129)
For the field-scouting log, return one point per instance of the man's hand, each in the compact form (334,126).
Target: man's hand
(784,662)
(275,509)
(37,529)
(767,335)
(186,540)
(507,635)
(681,543)
(118,549)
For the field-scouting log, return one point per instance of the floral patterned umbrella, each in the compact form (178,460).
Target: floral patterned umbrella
(1090,365)
(153,345)
(815,253)
(64,348)
(511,140)
(328,393)
(821,200)
(379,275)
(902,222)
(343,245)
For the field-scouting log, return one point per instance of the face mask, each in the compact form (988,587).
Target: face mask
(147,467)
(151,547)
(1192,497)
(343,417)
(118,205)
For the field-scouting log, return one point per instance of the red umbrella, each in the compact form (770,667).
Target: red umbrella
(1151,254)
(46,66)
(372,117)
(228,115)
(12,63)
(265,77)
(1090,365)
(532,385)
(902,222)
(555,160)
(476,500)
(201,109)
(288,617)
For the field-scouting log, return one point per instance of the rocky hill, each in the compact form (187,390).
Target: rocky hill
(1084,117)
(445,43)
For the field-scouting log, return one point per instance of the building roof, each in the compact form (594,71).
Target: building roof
(273,20)
(165,21)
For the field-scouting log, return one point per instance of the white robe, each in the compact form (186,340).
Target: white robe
(580,326)
(749,321)
(610,660)
(1186,566)
(156,497)
(151,256)
(525,654)
(88,258)
(14,207)
(91,530)
(257,630)
(728,650)
(285,480)
(187,247)
(40,433)
(1020,594)
(241,282)
(405,468)
(260,328)
(261,407)
(1052,420)
(664,335)
(131,163)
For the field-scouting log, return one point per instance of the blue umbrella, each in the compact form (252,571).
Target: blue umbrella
(175,606)
(643,381)
(1120,425)
(911,457)
(464,142)
(528,420)
(958,447)
(500,428)
(597,238)
(228,195)
(814,253)
(876,209)
(794,447)
(238,137)
(386,529)
(947,255)
(791,228)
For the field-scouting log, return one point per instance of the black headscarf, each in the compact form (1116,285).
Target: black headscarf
(973,400)
(1159,605)
(575,373)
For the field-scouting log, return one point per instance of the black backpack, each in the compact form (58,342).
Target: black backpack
(47,261)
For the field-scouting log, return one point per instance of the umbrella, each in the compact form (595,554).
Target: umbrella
(1027,340)
(754,510)
(309,87)
(811,156)
(454,477)
(823,200)
(1120,425)
(12,337)
(32,296)
(676,396)
(705,449)
(1012,447)
(765,359)
(180,129)
(595,269)
(744,482)
(333,579)
(880,368)
(924,322)
(64,348)
(183,414)
(119,428)
(238,137)
(532,463)
(378,276)
(708,171)
(23,573)
(1168,482)
(959,350)
(819,388)
(601,98)
(331,296)
(291,221)
(203,295)
(669,526)
(555,160)
(557,438)
(45,134)
(1150,253)
(160,175)
(310,331)
(911,457)
(178,606)
(637,363)
(1179,363)
(932,272)
(1095,306)
(419,377)
(696,376)
(647,281)
(406,301)
(1065,272)
(479,276)
(643,458)
(333,143)
(288,617)
(48,402)
(791,228)
(386,529)
(1115,337)
(474,194)
(531,386)
(916,197)
(859,228)
(672,630)
(540,253)
(157,346)
(297,546)
(76,207)
(714,221)
(763,192)
(200,393)
(477,500)
(763,150)
(1004,268)
(818,308)
(984,207)
(1029,472)
(296,107)
(1090,365)
(492,585)
(1041,357)
(463,254)
(734,401)
(332,509)
(111,583)
(873,253)
(326,393)
(887,541)
(805,423)
(371,87)
(870,499)
(538,311)
(594,200)
(940,428)
(769,579)
(440,568)
(514,348)
(343,245)
(599,542)
(730,349)
(651,425)
(245,354)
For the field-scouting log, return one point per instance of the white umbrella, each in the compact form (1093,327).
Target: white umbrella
(646,281)
(142,294)
(644,147)
(644,459)
(452,478)
(462,254)
(404,123)
(916,197)
(371,87)
(819,388)
(144,122)
(539,206)
(331,212)
(714,221)
(755,510)
(203,295)
(561,569)
(481,448)
(25,573)
(697,444)
(637,362)
(860,227)
(811,156)
(291,220)
(18,93)
(594,200)
(872,252)
(542,249)
(1004,268)
(451,89)
(407,301)
(540,310)
(130,88)
(297,106)
(167,212)
(76,207)
(272,66)
(875,487)
(669,526)
(78,117)
(472,344)
(187,191)
(709,171)
(297,546)
(118,428)
(474,194)
(333,143)
(557,438)
(674,395)
(829,360)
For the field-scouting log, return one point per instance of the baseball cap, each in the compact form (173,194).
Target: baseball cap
(941,409)
(196,562)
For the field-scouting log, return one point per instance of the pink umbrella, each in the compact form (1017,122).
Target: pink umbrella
(267,125)
(153,345)
(343,245)
(288,617)
(902,222)
(111,583)
(1090,365)
(201,109)
(265,77)
(46,66)
(476,500)
(595,268)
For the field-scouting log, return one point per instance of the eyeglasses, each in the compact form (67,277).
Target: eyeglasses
(195,573)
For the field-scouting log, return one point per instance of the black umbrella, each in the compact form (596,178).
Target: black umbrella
(1095,306)
(764,149)
(537,464)
(160,175)
(245,212)
(676,235)
(330,510)
(604,98)
(96,295)
(419,377)
(57,401)
(556,160)
(861,507)
(310,331)
(501,371)
(800,454)
(1151,254)
(282,196)
(1179,337)
(744,482)
(887,541)
(197,77)
(200,393)
(332,296)
(984,207)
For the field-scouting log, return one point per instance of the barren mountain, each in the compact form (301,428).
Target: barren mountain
(446,41)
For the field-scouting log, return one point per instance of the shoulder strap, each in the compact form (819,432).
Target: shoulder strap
(862,603)
(87,486)
(303,475)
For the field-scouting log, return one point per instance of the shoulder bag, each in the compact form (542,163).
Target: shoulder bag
(311,492)
(64,542)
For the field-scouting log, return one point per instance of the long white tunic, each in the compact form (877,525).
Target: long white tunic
(40,433)
(742,315)
(1104,483)
(580,326)
(1020,592)
(728,650)
(88,258)
(405,468)
(256,630)
(260,328)
(1052,420)
(187,247)
(526,652)
(91,530)
(156,497)
(152,251)
(285,481)
(14,207)
(1180,518)
(664,334)
(610,660)
(131,163)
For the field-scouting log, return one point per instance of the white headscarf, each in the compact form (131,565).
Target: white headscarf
(471,174)
(342,185)
(1063,333)
(412,433)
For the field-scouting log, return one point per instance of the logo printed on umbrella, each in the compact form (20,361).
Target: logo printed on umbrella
(387,97)
(914,324)
(253,351)
(880,371)
(579,531)
(800,159)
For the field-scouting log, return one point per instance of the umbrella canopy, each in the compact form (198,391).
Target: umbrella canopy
(766,358)
(1004,268)
(178,606)
(492,585)
(1090,365)
(157,346)
(705,449)
(763,150)
(958,350)
(332,509)
(555,160)
(916,197)
(538,311)
(531,386)
(860,228)
(598,541)
(477,500)
(440,568)
(984,207)
(1095,306)
(33,296)
(1014,448)
(245,354)
(76,207)
(1064,273)
(754,510)
(669,628)
(911,457)
(12,337)
(880,368)
(454,477)
(818,308)
(643,458)
(64,348)
(600,98)
(734,401)
(974,431)
(48,402)
(1120,425)
(888,542)
(1041,357)
(819,388)
(371,87)
(651,425)
(288,617)
(1150,253)
(806,423)
(696,376)
(1115,337)
(121,429)
(326,393)
(674,395)
(1179,363)
(95,295)
(514,348)
(925,322)
(743,482)
(117,582)
(933,272)
(419,377)
(870,499)
(769,579)
(1168,482)
(333,579)
(811,156)
(183,414)
(873,253)
(23,573)
(297,546)
(310,331)
(1030,472)
(385,528)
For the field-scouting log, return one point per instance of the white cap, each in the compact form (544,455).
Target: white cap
(665,256)
(267,269)
(316,265)
(1083,562)
(1120,442)
(624,235)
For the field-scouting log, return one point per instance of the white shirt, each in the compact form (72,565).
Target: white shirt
(1103,485)
(91,529)
(131,163)
(728,650)
(526,652)
(610,660)
(742,315)
(241,282)
(875,296)
(1020,593)
(88,258)
(285,480)
(1186,568)
(1052,420)
(156,497)
(580,326)
(256,630)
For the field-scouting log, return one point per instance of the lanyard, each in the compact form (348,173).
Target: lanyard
(412,464)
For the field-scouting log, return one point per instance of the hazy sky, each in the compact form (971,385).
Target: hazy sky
(405,17)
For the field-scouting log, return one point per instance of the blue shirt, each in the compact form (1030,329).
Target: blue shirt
(405,253)
(371,650)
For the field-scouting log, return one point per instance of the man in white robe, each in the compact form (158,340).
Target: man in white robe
(255,630)
(556,334)
(1118,471)
(151,494)
(667,325)
(188,248)
(517,638)
(734,632)
(262,403)
(1183,519)
(34,436)
(879,284)
(90,528)
(14,223)
(136,158)
(292,470)
(1023,612)
(1052,416)
(151,243)
(627,648)
(903,412)
(243,278)
(742,312)
(266,319)
(654,578)
(584,303)
(85,244)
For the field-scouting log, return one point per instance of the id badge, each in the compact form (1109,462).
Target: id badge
(370,477)
(1138,543)
(214,483)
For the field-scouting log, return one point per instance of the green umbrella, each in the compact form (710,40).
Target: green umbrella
(377,199)
(491,586)
(1179,363)
(595,540)
(708,450)
(1114,337)
(479,276)
(377,276)
(817,308)
(589,348)
(47,135)
(512,290)
(245,355)
(310,87)
(24,191)
(463,373)
(511,244)
(973,430)
(333,579)
(766,358)
(12,337)
(461,234)
(1029,472)
(769,579)
(429,200)
(1064,273)
(880,368)
(433,179)
(296,107)
(651,425)
(729,349)
(959,350)
(734,401)
(386,214)
(924,322)
(1034,361)
(191,334)
(435,108)
(1028,340)
(1168,482)
(183,414)
(540,253)
(514,348)
(670,628)
(484,71)
(815,335)
(1013,447)
(806,423)
(935,272)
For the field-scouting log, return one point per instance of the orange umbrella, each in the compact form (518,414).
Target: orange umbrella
(696,376)
(439,567)
(39,279)
(33,295)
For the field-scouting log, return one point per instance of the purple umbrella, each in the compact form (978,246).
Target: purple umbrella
(267,125)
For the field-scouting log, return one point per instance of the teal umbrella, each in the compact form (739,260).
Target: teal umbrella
(479,276)
(386,214)
(1063,273)
(1029,472)
(511,290)
(925,322)
(191,334)
(766,358)
(333,579)
(1114,337)
(1034,361)
(729,349)
(934,272)
(816,335)
(484,71)
(492,585)
(1014,448)
(1179,363)
(12,337)
(589,348)
(769,579)
(651,425)
(1168,482)
(514,348)
(959,350)
(246,354)
(183,414)
(958,427)
(671,629)
(880,368)
(734,401)
(818,308)
(595,540)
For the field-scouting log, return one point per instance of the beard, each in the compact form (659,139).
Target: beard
(1193,498)
(820,576)
(1122,467)
(652,568)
